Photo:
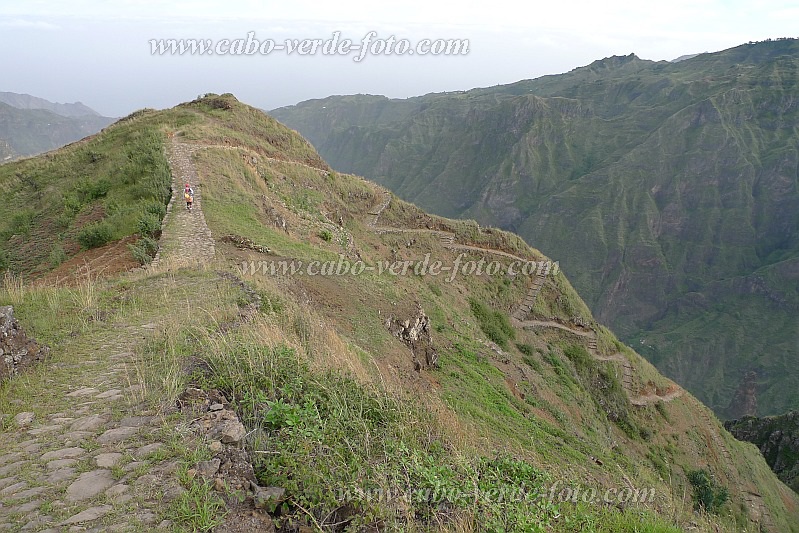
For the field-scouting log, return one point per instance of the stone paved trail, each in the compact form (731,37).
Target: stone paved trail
(186,238)
(91,458)
(635,396)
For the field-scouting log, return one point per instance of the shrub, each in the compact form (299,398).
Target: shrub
(144,250)
(57,255)
(579,356)
(149,225)
(526,349)
(708,494)
(22,222)
(156,208)
(88,191)
(95,235)
(72,205)
(326,236)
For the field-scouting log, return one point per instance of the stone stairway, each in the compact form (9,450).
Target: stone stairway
(447,240)
(379,211)
(529,300)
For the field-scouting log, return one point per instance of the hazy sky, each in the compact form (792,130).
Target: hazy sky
(98,52)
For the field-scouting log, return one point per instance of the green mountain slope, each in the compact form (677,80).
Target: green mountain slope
(385,400)
(667,191)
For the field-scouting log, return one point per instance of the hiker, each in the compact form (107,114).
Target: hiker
(188,194)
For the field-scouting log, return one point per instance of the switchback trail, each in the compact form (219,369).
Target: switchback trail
(635,397)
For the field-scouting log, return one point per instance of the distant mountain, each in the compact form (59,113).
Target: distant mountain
(26,101)
(684,57)
(30,125)
(669,193)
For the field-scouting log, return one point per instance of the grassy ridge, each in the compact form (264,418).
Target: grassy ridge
(86,195)
(525,402)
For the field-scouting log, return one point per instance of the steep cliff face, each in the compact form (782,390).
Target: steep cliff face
(777,437)
(667,191)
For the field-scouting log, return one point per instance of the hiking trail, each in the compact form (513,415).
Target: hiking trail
(88,452)
(447,240)
(91,453)
(185,236)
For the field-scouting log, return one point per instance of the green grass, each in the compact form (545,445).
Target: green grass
(494,324)
(85,195)
(336,444)
(200,508)
(641,178)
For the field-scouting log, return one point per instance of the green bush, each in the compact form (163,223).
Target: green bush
(149,225)
(156,208)
(708,494)
(95,235)
(22,222)
(326,236)
(57,255)
(72,205)
(526,349)
(144,250)
(580,357)
(88,191)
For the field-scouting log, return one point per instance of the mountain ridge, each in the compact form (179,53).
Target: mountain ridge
(27,101)
(31,125)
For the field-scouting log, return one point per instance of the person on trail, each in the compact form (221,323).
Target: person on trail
(188,194)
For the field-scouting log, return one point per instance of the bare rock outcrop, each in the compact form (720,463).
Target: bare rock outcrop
(230,469)
(415,333)
(744,401)
(777,437)
(17,350)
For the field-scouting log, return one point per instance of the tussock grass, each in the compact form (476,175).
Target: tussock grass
(13,288)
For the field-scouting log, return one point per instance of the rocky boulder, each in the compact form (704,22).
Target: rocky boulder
(17,350)
(414,332)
